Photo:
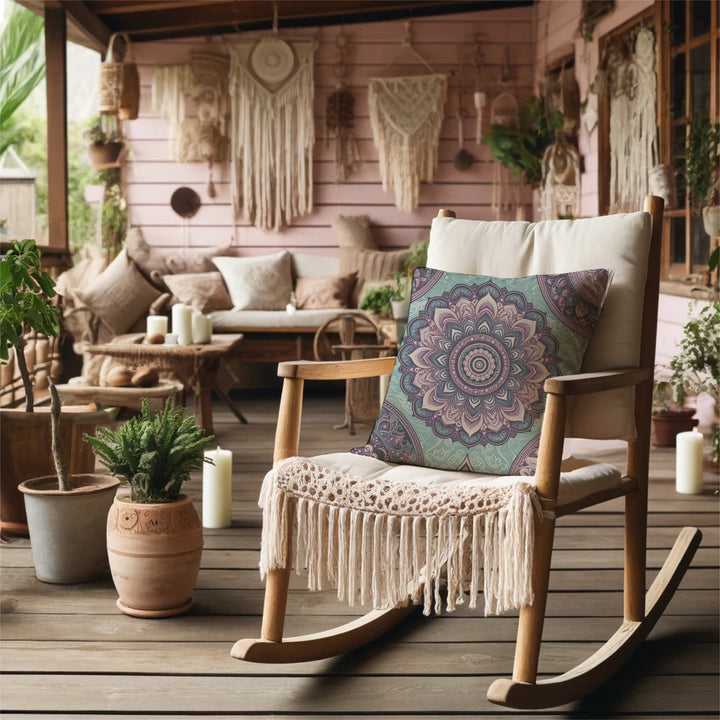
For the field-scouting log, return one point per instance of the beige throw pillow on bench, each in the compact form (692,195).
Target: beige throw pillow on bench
(257,283)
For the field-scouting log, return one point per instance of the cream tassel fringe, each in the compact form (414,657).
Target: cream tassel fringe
(406,115)
(386,559)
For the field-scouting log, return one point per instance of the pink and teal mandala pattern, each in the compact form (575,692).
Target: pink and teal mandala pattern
(467,388)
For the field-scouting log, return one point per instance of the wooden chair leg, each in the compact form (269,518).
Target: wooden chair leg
(530,625)
(276,590)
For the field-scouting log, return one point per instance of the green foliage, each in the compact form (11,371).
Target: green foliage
(696,367)
(22,66)
(416,256)
(25,291)
(114,216)
(702,160)
(154,452)
(377,299)
(521,148)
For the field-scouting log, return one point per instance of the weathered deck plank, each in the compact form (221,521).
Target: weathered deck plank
(66,653)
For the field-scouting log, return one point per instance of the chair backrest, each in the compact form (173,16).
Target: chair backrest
(620,243)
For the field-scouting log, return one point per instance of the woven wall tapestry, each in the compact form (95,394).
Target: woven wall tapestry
(632,87)
(272,129)
(406,114)
(203,138)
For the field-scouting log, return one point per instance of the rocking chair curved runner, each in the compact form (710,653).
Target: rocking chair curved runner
(464,499)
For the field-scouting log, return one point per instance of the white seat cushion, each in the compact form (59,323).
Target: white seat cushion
(577,481)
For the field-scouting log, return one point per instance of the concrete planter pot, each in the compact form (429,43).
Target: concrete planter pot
(67,529)
(154,551)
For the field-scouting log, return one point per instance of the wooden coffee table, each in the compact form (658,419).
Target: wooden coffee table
(195,366)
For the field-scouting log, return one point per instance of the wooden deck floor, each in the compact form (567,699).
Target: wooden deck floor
(67,652)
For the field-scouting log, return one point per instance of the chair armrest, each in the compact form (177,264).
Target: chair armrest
(335,370)
(597,381)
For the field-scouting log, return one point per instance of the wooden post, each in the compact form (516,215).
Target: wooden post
(56,83)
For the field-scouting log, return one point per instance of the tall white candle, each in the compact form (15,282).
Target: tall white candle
(182,323)
(201,328)
(689,462)
(217,489)
(156,325)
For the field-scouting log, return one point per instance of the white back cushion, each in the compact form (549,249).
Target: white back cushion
(619,243)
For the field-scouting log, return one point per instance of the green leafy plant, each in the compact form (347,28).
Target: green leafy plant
(25,290)
(696,367)
(416,256)
(521,147)
(702,161)
(22,67)
(377,299)
(400,289)
(153,452)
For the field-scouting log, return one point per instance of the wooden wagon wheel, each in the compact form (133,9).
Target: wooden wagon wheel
(348,336)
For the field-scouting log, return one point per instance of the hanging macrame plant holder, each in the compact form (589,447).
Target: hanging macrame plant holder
(406,114)
(560,195)
(272,129)
(119,83)
(506,184)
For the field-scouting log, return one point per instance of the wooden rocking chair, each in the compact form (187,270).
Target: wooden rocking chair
(610,398)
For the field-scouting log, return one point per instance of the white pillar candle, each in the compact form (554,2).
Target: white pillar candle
(217,489)
(182,323)
(201,328)
(689,462)
(156,325)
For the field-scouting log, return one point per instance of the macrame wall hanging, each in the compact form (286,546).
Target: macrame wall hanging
(204,137)
(631,85)
(340,117)
(272,129)
(406,114)
(506,185)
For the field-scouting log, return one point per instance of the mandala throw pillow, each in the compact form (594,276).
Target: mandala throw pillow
(466,391)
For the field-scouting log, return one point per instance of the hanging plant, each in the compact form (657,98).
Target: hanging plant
(702,161)
(521,147)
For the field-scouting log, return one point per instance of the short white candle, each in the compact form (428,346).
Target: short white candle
(217,489)
(182,323)
(689,462)
(156,325)
(201,328)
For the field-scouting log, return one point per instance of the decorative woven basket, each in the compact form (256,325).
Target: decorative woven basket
(119,84)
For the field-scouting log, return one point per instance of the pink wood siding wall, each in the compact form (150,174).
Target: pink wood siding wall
(444,41)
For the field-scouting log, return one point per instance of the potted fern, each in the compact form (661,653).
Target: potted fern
(154,534)
(26,293)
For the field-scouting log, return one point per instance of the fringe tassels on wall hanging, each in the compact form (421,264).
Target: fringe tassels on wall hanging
(272,129)
(406,114)
(203,138)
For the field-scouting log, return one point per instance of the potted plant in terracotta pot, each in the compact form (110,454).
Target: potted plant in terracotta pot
(104,144)
(25,306)
(66,517)
(702,171)
(669,417)
(154,534)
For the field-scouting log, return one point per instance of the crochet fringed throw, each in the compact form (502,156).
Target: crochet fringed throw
(386,542)
(272,129)
(406,114)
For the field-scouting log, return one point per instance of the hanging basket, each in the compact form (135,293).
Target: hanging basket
(119,84)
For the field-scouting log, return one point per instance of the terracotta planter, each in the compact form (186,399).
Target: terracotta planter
(67,529)
(25,453)
(665,426)
(154,551)
(104,155)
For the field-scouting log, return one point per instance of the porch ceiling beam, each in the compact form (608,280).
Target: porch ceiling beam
(80,15)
